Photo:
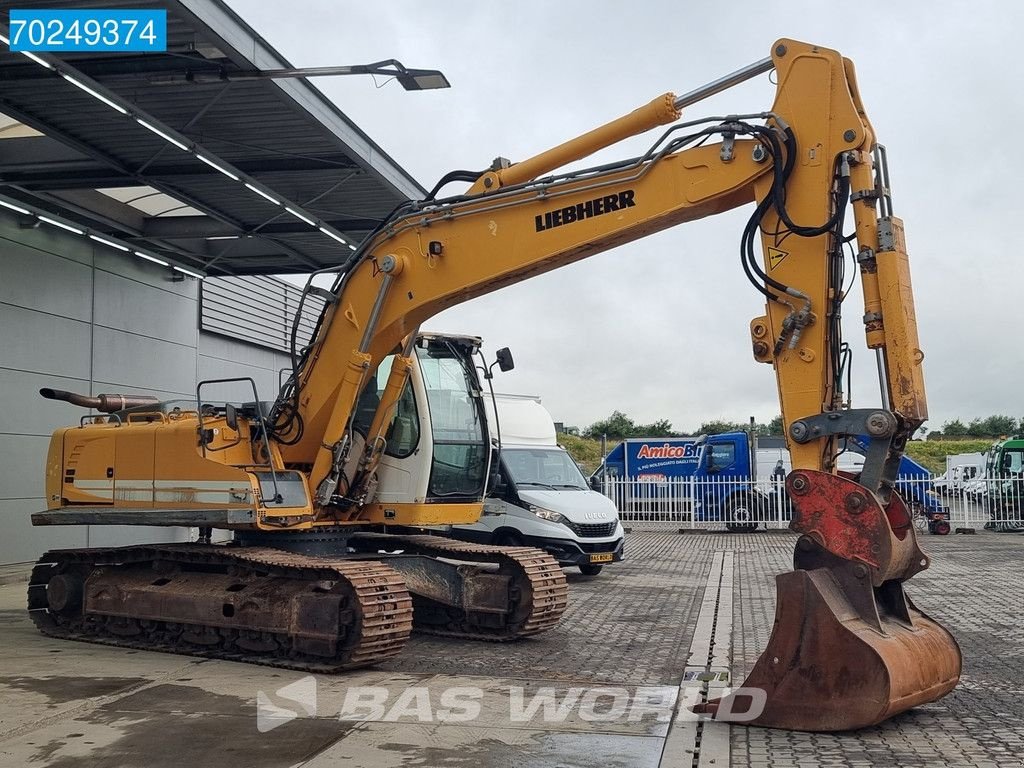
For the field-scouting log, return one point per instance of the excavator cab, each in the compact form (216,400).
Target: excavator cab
(437,443)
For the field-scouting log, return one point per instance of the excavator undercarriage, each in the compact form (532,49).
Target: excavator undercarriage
(269,606)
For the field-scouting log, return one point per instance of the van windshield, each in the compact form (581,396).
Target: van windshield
(542,468)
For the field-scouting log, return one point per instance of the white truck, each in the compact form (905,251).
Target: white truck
(963,474)
(541,498)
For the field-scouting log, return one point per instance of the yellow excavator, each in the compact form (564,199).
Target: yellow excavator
(380,431)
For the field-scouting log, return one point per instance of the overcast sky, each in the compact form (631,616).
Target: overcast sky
(659,328)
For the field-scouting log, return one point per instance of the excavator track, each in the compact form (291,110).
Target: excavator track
(254,604)
(537,594)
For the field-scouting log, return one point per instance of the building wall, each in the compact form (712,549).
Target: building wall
(91,319)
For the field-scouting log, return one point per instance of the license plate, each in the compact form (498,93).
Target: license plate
(602,557)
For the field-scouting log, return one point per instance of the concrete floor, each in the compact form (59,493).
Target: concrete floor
(632,632)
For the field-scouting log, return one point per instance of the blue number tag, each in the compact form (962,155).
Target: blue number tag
(97,30)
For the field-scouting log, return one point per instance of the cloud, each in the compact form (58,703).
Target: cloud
(658,328)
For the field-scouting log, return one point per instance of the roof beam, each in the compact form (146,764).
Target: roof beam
(187,227)
(74,171)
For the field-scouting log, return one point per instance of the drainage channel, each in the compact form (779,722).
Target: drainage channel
(693,742)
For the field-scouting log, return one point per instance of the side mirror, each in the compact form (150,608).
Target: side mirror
(231,416)
(504,359)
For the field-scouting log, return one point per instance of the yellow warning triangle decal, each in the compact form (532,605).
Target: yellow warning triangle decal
(775,257)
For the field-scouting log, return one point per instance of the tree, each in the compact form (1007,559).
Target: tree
(991,426)
(718,426)
(997,426)
(954,428)
(618,426)
(659,428)
(775,426)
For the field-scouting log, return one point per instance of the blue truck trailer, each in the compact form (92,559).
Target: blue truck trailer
(714,476)
(711,475)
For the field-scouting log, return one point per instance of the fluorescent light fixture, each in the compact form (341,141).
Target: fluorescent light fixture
(111,243)
(352,247)
(14,207)
(160,133)
(5,40)
(62,225)
(261,193)
(36,59)
(94,94)
(298,215)
(154,259)
(223,237)
(188,272)
(330,234)
(216,167)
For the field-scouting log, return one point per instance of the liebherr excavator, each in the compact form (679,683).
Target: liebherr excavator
(376,434)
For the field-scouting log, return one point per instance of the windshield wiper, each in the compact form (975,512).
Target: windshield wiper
(572,485)
(533,482)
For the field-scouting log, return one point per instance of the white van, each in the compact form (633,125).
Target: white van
(541,498)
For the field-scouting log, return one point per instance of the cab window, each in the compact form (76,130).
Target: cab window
(721,456)
(403,434)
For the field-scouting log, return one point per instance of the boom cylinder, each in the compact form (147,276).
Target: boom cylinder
(660,111)
(725,82)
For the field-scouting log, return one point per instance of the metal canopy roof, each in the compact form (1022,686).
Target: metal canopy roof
(97,167)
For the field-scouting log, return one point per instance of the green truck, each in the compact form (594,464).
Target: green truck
(1004,470)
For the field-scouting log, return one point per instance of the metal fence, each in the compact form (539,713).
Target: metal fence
(744,504)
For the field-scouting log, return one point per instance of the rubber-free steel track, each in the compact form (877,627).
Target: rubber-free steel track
(375,606)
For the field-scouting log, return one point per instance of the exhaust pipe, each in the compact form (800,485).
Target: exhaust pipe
(101,403)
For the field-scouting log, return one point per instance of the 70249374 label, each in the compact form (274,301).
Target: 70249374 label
(94,30)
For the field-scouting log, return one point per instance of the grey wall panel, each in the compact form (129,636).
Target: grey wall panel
(146,272)
(24,543)
(160,394)
(23,458)
(46,239)
(36,341)
(215,368)
(25,412)
(127,305)
(42,281)
(250,354)
(139,361)
(256,309)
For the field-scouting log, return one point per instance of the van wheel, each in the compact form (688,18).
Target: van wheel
(507,539)
(739,513)
(590,570)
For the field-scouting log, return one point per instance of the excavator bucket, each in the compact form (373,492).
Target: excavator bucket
(848,649)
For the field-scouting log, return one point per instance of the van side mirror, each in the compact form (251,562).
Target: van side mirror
(504,359)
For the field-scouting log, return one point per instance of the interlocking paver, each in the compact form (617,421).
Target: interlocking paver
(633,625)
